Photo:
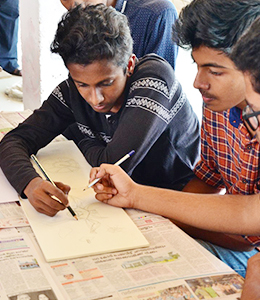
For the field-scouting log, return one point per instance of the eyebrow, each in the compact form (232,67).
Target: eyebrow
(214,65)
(100,82)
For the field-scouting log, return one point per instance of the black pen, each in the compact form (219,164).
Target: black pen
(34,158)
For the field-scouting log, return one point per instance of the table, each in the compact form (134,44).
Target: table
(174,266)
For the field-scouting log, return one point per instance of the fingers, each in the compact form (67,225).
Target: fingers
(104,197)
(100,189)
(64,187)
(93,174)
(50,207)
(45,197)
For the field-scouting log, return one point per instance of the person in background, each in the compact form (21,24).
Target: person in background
(119,104)
(246,57)
(150,22)
(227,225)
(9,23)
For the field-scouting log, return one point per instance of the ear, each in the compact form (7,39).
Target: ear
(131,65)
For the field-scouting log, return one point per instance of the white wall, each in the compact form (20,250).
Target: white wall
(42,71)
(186,71)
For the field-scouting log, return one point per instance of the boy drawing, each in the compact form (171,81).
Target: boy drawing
(119,104)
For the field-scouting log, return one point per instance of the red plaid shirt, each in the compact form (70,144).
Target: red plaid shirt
(229,156)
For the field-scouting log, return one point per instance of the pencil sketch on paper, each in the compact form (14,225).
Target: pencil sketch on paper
(100,227)
(61,165)
(94,220)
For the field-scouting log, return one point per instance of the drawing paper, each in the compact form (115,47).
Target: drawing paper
(101,228)
(8,193)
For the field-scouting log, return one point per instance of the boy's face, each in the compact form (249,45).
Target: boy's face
(253,99)
(101,84)
(221,85)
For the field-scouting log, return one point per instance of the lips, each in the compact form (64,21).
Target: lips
(207,97)
(99,107)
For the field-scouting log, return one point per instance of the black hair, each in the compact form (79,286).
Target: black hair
(246,54)
(88,33)
(215,24)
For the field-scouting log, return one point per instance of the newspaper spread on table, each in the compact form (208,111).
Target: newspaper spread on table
(174,266)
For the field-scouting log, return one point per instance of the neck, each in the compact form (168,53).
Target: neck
(242,105)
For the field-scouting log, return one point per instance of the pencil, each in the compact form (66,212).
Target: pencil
(119,162)
(34,158)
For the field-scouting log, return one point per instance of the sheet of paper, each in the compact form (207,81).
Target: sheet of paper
(8,193)
(14,118)
(101,228)
(12,215)
(5,126)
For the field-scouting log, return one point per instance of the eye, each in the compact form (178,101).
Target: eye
(107,83)
(215,73)
(81,85)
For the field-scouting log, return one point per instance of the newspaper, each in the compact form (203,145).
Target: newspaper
(10,120)
(12,215)
(173,267)
(23,275)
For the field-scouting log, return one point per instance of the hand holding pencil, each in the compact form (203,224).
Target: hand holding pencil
(47,177)
(42,195)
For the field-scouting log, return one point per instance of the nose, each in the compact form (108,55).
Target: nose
(201,82)
(95,96)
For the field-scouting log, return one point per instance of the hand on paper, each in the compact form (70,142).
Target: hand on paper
(40,194)
(115,188)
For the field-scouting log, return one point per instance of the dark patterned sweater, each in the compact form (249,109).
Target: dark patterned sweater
(156,120)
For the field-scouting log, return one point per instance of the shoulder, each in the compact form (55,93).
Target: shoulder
(153,64)
(64,92)
(153,70)
(155,7)
(154,77)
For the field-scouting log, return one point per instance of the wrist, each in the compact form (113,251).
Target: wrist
(136,195)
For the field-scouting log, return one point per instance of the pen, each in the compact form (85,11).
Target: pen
(34,158)
(119,162)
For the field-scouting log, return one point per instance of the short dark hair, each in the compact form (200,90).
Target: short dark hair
(215,24)
(246,54)
(88,33)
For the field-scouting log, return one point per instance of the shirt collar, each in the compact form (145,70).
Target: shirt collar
(120,5)
(235,117)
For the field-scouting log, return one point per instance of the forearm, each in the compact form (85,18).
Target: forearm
(15,163)
(232,214)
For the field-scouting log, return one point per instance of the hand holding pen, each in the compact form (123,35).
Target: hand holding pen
(40,193)
(119,162)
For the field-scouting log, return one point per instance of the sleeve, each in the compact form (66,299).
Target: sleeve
(34,133)
(146,114)
(159,39)
(207,168)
